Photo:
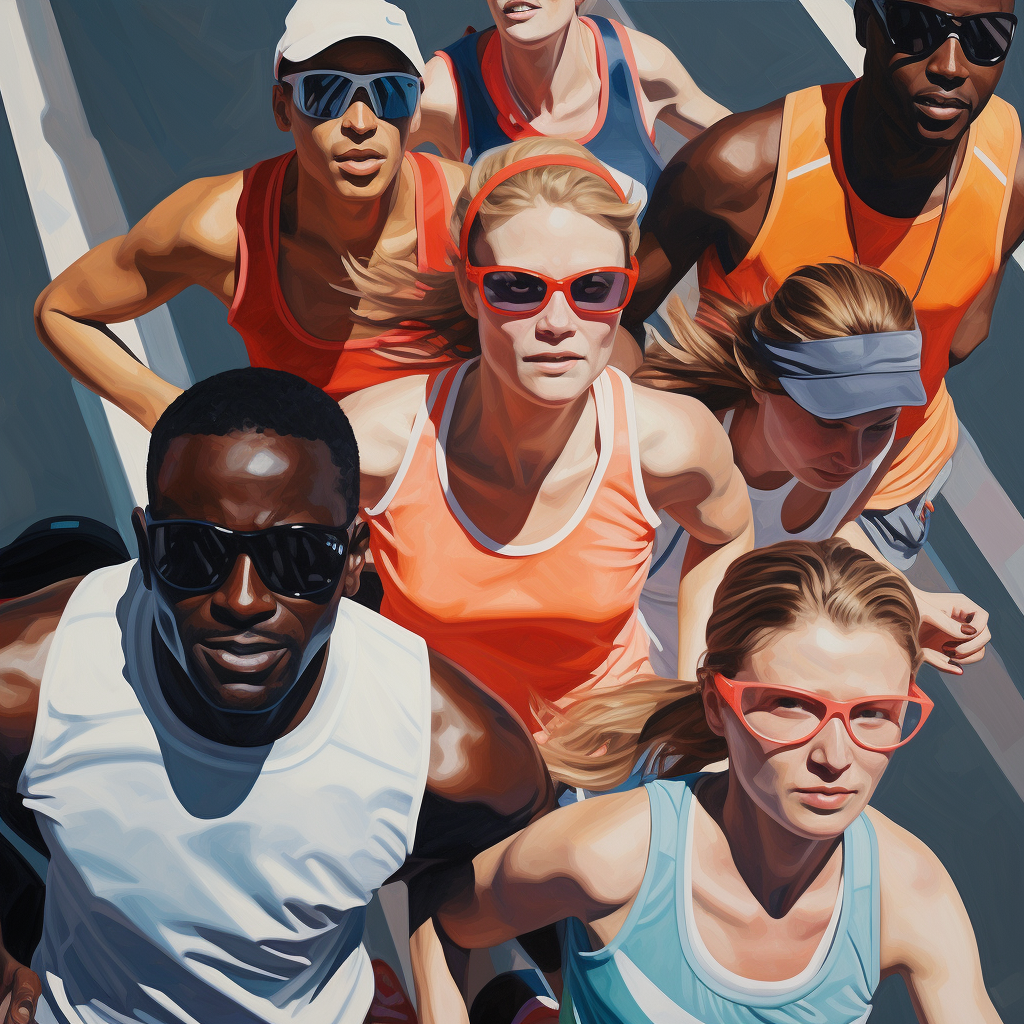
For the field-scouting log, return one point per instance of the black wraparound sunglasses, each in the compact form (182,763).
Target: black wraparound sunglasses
(919,31)
(296,560)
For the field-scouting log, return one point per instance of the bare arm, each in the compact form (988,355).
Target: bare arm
(439,111)
(714,192)
(189,238)
(670,92)
(926,935)
(585,861)
(689,473)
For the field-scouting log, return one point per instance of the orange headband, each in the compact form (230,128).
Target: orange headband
(559,160)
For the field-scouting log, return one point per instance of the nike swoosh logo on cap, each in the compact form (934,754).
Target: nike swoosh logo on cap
(390,22)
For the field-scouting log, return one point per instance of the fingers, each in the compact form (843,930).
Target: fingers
(25,991)
(942,662)
(968,648)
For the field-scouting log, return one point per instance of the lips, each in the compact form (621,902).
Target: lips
(360,162)
(825,798)
(519,10)
(238,656)
(939,107)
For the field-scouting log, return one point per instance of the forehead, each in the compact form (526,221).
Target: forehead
(361,55)
(551,239)
(839,664)
(250,481)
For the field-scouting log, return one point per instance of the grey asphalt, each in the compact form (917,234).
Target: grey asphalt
(177,89)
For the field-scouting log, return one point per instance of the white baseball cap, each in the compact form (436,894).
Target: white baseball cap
(313,25)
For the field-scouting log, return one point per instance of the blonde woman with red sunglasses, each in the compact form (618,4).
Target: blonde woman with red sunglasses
(511,501)
(771,891)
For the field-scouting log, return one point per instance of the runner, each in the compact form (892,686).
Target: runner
(291,244)
(225,758)
(675,915)
(510,499)
(808,386)
(913,168)
(543,70)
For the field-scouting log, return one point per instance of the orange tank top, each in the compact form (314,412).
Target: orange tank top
(528,620)
(807,222)
(272,335)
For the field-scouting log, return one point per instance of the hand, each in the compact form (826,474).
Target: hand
(954,630)
(19,990)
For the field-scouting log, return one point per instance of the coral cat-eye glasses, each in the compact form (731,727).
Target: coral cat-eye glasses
(787,715)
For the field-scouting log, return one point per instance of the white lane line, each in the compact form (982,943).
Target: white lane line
(75,205)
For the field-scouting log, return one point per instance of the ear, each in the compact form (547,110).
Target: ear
(759,396)
(417,115)
(356,557)
(467,291)
(142,539)
(281,102)
(713,710)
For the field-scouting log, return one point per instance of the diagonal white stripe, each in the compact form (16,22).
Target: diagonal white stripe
(804,168)
(987,161)
(657,1006)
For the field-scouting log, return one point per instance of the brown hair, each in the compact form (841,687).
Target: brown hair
(393,287)
(763,593)
(714,357)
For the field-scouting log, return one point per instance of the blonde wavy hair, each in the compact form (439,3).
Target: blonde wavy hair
(393,288)
(763,593)
(714,357)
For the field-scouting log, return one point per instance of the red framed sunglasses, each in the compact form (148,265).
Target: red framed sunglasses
(518,292)
(789,716)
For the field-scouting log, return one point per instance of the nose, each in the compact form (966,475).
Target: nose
(359,118)
(947,67)
(556,319)
(243,599)
(850,457)
(831,751)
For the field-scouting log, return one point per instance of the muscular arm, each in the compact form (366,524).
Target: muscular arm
(189,238)
(670,92)
(439,111)
(689,473)
(715,191)
(926,935)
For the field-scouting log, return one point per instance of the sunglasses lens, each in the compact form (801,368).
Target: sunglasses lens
(298,560)
(779,715)
(395,96)
(914,29)
(190,556)
(885,723)
(600,291)
(514,291)
(986,38)
(324,95)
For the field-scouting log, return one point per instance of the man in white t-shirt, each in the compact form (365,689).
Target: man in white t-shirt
(225,758)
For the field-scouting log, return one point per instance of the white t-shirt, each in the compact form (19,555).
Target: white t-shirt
(191,881)
(659,599)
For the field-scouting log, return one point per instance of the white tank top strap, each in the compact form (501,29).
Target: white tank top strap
(640,492)
(422,414)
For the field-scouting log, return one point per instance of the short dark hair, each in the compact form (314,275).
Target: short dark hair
(259,399)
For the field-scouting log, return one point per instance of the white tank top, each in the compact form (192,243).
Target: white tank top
(659,599)
(195,882)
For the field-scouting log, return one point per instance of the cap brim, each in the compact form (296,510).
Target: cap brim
(840,398)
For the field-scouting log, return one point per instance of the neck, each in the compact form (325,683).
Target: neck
(231,728)
(755,458)
(347,226)
(547,74)
(776,864)
(889,170)
(511,437)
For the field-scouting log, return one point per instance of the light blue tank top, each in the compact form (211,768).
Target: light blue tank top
(657,971)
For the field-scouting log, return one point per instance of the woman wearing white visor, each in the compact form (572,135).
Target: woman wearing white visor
(809,387)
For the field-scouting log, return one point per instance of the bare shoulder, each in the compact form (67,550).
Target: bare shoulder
(481,751)
(905,864)
(382,418)
(653,57)
(200,217)
(677,433)
(27,625)
(456,174)
(439,94)
(739,153)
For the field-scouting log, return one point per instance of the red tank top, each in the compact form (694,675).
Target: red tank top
(528,620)
(272,335)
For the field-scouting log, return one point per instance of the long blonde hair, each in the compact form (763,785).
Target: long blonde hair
(763,593)
(714,358)
(394,288)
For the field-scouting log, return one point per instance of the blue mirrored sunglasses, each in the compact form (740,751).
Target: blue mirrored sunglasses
(326,95)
